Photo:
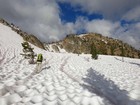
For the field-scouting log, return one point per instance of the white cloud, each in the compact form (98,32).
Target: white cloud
(104,27)
(129,34)
(39,17)
(133,14)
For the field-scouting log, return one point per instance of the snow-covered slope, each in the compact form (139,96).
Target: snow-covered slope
(66,79)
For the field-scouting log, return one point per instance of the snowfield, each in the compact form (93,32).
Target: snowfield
(65,79)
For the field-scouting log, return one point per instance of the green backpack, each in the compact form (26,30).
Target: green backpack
(39,58)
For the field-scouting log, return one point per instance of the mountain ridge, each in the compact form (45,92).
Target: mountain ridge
(78,44)
(105,45)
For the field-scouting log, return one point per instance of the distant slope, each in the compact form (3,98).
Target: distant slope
(104,45)
(28,37)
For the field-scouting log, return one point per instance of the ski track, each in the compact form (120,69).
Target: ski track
(52,86)
(3,56)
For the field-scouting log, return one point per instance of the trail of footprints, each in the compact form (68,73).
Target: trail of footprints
(50,90)
(50,87)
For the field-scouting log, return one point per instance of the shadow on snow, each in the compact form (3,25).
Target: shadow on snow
(104,87)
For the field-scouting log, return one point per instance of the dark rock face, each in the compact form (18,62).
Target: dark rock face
(55,48)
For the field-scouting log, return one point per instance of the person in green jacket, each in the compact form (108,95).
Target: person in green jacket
(39,63)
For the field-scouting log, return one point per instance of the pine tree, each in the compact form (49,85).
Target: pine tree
(112,48)
(122,52)
(139,54)
(94,52)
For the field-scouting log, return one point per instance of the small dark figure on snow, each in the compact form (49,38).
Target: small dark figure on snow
(25,46)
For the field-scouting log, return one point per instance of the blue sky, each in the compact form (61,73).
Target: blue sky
(52,20)
(70,14)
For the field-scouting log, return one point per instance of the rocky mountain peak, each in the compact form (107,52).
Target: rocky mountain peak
(105,45)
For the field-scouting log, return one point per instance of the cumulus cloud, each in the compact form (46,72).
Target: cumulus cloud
(39,17)
(104,27)
(133,14)
(130,34)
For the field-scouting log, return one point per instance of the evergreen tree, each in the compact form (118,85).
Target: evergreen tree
(139,54)
(112,48)
(122,52)
(94,52)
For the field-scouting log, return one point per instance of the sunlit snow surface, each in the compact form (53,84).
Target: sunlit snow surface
(66,79)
